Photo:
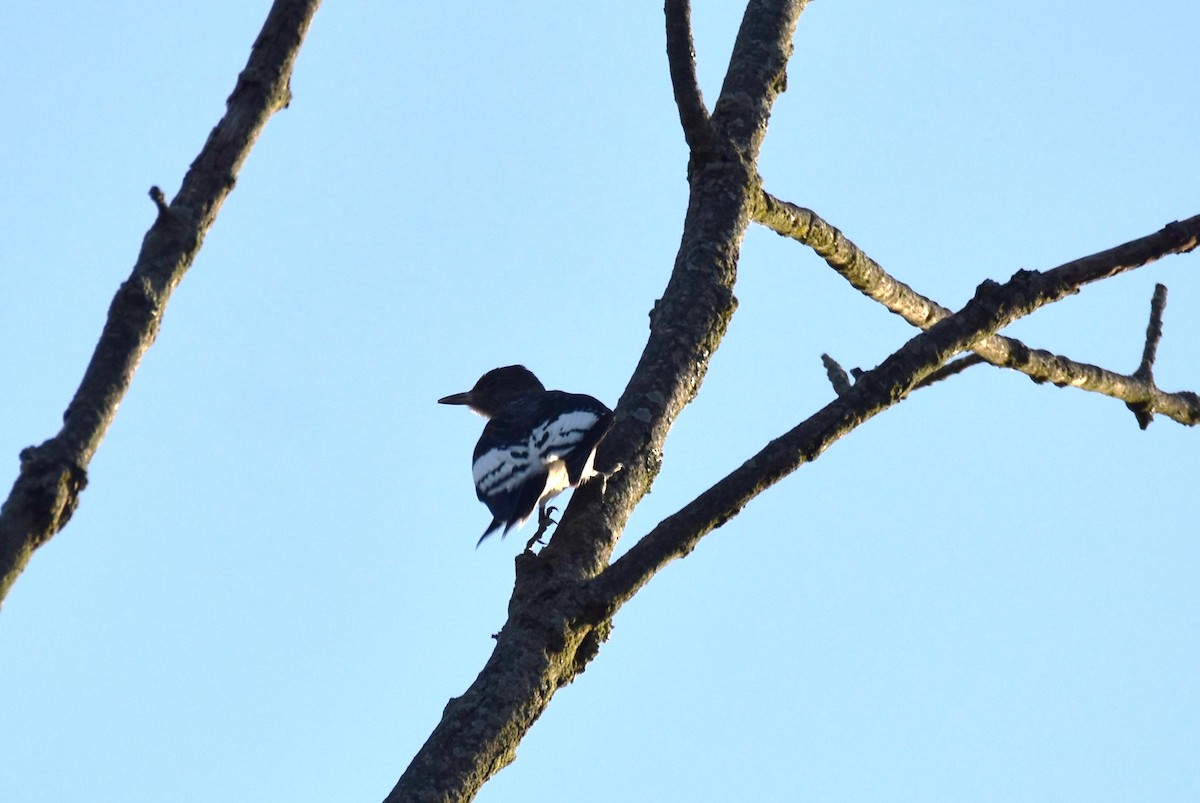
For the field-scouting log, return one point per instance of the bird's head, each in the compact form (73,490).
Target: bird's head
(496,389)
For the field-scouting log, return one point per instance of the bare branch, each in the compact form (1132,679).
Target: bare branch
(993,307)
(866,275)
(546,640)
(842,380)
(952,368)
(681,59)
(1158,303)
(837,374)
(46,491)
(688,323)
(757,72)
(1144,413)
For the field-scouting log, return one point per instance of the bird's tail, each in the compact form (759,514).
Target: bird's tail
(495,525)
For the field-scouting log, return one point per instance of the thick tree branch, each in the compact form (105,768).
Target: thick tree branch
(681,60)
(873,281)
(689,321)
(546,641)
(993,307)
(46,491)
(757,72)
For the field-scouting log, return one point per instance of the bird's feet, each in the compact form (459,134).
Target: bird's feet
(605,476)
(544,522)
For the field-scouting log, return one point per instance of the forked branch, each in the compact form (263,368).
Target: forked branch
(866,275)
(993,307)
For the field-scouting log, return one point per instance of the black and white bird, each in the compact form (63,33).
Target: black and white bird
(535,445)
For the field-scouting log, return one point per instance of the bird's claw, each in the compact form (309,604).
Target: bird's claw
(544,522)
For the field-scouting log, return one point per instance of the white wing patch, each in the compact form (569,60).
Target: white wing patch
(558,436)
(505,468)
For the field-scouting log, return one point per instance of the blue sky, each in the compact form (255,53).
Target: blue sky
(271,588)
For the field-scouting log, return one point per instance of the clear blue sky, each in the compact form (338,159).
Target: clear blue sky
(271,587)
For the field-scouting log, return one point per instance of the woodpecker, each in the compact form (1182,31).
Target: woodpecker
(535,445)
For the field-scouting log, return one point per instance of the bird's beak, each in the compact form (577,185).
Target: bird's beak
(456,398)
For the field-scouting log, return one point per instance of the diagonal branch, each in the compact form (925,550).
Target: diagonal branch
(681,60)
(757,71)
(872,280)
(688,323)
(46,491)
(993,307)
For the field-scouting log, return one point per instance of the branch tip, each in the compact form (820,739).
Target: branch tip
(160,201)
(837,375)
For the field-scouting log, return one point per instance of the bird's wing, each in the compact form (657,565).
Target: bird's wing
(514,454)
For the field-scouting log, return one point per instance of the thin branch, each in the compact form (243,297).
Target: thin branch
(842,380)
(46,491)
(993,307)
(681,60)
(866,275)
(952,368)
(1154,330)
(1144,413)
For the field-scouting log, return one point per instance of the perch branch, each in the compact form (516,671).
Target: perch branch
(545,643)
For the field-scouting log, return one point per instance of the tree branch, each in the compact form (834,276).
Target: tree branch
(46,491)
(952,368)
(546,641)
(841,379)
(1144,413)
(681,60)
(866,275)
(757,72)
(688,323)
(992,308)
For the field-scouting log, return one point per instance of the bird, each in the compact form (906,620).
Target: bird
(535,445)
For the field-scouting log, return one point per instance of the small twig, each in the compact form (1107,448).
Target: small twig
(1154,330)
(160,201)
(837,375)
(950,369)
(1144,411)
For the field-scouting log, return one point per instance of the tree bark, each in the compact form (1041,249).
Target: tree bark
(552,631)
